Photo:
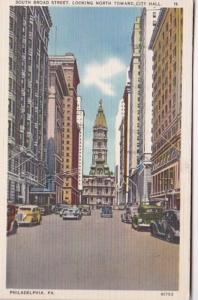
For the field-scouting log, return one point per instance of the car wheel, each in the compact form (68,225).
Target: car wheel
(169,236)
(15,227)
(153,231)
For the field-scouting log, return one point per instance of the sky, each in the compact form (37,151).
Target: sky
(100,39)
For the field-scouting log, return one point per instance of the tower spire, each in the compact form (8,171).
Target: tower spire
(100,117)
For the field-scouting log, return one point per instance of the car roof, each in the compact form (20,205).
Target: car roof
(173,210)
(28,206)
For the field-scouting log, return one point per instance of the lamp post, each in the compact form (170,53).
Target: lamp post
(136,189)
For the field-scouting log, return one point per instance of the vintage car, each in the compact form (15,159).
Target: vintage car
(85,210)
(106,212)
(12,224)
(63,209)
(28,214)
(145,214)
(72,214)
(168,226)
(45,210)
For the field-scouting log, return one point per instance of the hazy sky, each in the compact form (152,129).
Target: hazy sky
(100,39)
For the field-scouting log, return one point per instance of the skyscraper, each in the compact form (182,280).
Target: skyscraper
(166,43)
(99,185)
(70,141)
(28,97)
(118,151)
(57,91)
(80,121)
(141,174)
(134,125)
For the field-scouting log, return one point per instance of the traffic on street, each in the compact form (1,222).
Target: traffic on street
(89,250)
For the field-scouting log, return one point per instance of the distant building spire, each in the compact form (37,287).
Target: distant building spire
(100,117)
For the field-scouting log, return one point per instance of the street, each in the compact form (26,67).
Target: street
(93,253)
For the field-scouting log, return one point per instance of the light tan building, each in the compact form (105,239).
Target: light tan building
(141,174)
(56,92)
(80,121)
(166,43)
(70,140)
(134,108)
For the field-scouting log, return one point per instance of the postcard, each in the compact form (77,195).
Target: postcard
(96,126)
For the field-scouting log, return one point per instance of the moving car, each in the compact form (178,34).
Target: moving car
(145,214)
(63,209)
(72,214)
(106,212)
(12,224)
(28,214)
(168,226)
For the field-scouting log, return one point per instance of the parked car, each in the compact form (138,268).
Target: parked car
(106,212)
(72,214)
(126,217)
(168,226)
(85,210)
(146,213)
(28,214)
(12,224)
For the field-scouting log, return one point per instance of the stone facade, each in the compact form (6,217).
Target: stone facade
(27,100)
(70,140)
(166,44)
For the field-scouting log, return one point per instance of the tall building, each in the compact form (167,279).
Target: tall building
(118,151)
(127,117)
(166,43)
(80,121)
(28,97)
(70,141)
(99,185)
(134,125)
(141,174)
(56,92)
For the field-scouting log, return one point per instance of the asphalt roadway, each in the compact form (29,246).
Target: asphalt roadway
(93,253)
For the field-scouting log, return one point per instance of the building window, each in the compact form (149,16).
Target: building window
(13,129)
(10,84)
(11,24)
(14,107)
(9,128)
(11,43)
(9,105)
(10,63)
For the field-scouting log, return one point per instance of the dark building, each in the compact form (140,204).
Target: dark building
(28,97)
